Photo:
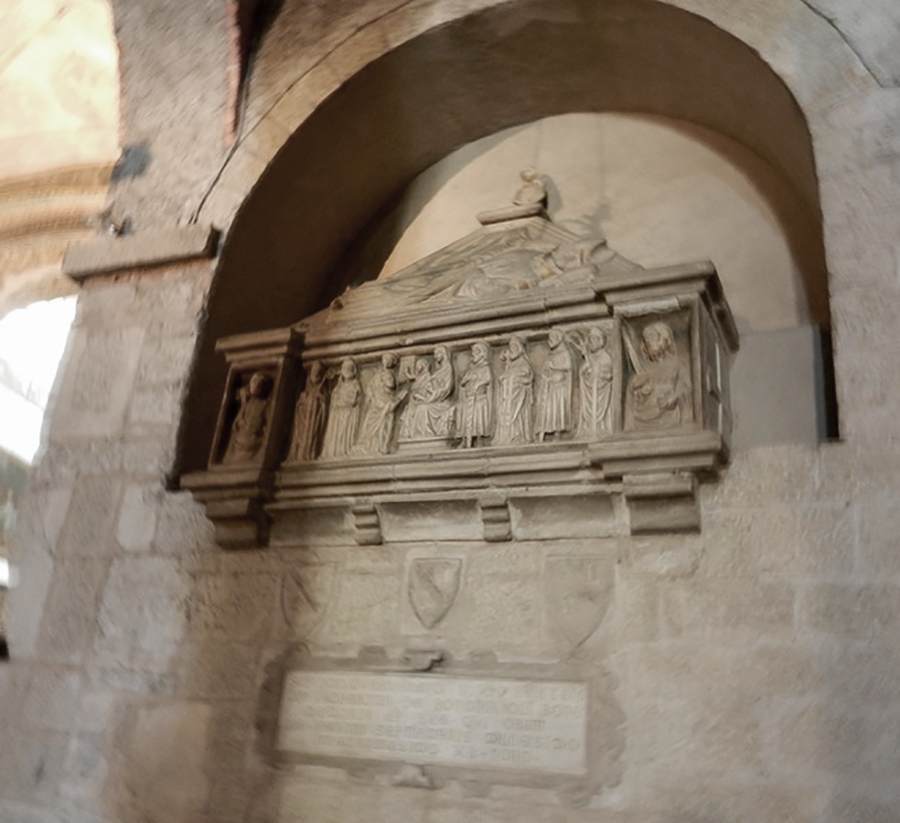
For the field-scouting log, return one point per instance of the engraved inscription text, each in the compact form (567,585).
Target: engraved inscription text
(537,725)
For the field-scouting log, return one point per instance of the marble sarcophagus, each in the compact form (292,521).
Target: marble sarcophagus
(521,365)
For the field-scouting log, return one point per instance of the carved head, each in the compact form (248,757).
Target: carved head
(657,340)
(259,384)
(529,175)
(596,339)
(316,372)
(389,360)
(516,346)
(441,355)
(421,367)
(348,369)
(479,352)
(554,338)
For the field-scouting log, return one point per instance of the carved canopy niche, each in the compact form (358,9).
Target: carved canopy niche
(522,362)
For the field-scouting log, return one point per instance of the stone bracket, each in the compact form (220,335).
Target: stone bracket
(664,502)
(366,524)
(495,518)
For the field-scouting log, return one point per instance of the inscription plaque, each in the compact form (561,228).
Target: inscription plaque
(537,725)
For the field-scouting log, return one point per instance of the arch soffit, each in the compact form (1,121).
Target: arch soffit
(815,64)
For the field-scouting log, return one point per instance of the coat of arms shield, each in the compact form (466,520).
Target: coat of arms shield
(433,586)
(577,592)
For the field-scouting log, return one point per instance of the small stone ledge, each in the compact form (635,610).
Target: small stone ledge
(140,251)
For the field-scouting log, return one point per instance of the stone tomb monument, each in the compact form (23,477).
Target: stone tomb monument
(523,362)
(523,383)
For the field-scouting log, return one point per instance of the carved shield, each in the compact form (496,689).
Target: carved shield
(433,586)
(577,592)
(306,592)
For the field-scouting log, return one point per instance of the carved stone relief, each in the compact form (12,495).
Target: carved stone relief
(523,357)
(578,592)
(248,428)
(432,587)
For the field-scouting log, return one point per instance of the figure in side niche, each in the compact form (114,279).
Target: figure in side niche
(516,395)
(595,385)
(430,412)
(476,401)
(249,427)
(554,404)
(343,416)
(658,395)
(382,399)
(309,416)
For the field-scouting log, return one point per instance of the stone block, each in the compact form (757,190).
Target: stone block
(182,526)
(583,516)
(217,671)
(31,763)
(365,609)
(136,527)
(70,614)
(636,608)
(85,769)
(97,383)
(147,248)
(33,569)
(52,699)
(236,607)
(851,610)
(430,520)
(144,608)
(719,607)
(90,520)
(783,540)
(165,778)
(878,546)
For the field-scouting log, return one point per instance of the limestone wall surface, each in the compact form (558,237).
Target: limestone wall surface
(751,670)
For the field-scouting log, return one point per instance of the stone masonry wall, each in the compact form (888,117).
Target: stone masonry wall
(755,666)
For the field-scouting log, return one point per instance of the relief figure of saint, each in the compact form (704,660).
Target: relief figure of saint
(516,396)
(554,404)
(343,416)
(658,395)
(595,386)
(430,411)
(475,402)
(309,416)
(249,427)
(382,400)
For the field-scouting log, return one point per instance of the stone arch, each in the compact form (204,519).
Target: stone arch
(329,149)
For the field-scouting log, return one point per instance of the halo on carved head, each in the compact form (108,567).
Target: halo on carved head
(516,343)
(348,368)
(657,340)
(596,334)
(259,384)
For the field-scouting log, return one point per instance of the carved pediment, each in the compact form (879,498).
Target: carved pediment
(522,362)
(497,268)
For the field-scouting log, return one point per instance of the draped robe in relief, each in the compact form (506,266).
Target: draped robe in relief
(378,423)
(309,419)
(343,418)
(475,402)
(515,402)
(554,406)
(429,413)
(659,397)
(248,428)
(596,375)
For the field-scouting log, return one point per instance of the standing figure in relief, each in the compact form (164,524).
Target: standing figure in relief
(476,388)
(554,404)
(382,401)
(659,392)
(532,191)
(343,416)
(309,416)
(516,395)
(596,379)
(249,426)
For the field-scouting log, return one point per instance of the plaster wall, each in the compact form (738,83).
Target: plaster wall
(754,665)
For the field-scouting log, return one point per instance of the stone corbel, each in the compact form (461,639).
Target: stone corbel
(366,524)
(664,502)
(495,518)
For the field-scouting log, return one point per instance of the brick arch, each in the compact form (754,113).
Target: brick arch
(333,146)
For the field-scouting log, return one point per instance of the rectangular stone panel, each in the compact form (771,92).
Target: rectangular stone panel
(470,722)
